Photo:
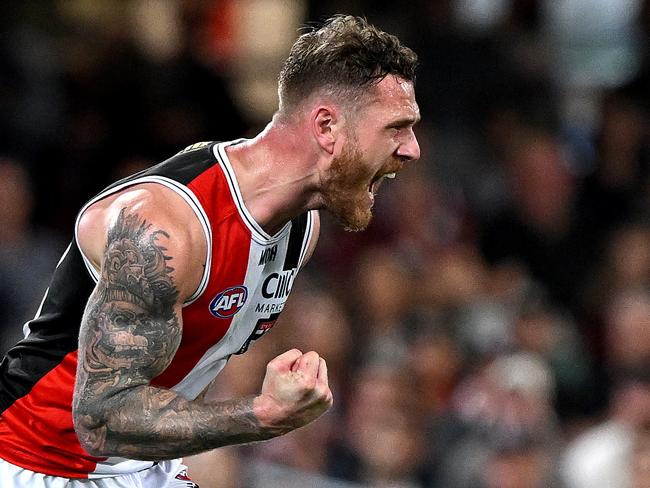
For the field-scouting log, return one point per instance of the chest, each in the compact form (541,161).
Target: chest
(247,290)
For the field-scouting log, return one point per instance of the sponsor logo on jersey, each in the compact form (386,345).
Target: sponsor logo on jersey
(182,476)
(268,254)
(261,328)
(266,308)
(194,147)
(278,285)
(229,302)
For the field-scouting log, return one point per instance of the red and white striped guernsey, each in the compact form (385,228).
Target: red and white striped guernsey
(248,277)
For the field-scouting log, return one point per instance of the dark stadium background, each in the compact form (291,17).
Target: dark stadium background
(491,329)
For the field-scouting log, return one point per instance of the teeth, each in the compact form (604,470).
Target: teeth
(390,175)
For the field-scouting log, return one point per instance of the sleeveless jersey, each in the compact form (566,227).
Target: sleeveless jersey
(248,277)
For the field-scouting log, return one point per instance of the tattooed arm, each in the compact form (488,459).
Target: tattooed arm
(130,332)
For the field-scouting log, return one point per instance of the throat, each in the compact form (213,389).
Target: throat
(271,214)
(269,194)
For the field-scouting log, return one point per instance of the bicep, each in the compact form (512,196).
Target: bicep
(132,324)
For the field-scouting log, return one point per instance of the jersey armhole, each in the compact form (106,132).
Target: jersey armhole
(306,242)
(187,195)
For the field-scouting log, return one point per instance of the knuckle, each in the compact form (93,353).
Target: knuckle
(324,382)
(328,397)
(294,352)
(313,355)
(322,392)
(308,383)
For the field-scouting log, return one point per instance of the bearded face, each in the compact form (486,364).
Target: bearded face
(346,194)
(352,182)
(379,140)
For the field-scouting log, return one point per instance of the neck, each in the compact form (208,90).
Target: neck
(277,173)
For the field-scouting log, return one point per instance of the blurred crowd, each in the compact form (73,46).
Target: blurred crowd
(491,329)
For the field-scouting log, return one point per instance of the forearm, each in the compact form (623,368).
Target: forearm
(130,333)
(154,424)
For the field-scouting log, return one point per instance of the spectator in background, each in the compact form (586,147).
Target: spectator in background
(436,217)
(628,332)
(27,254)
(641,459)
(504,407)
(436,363)
(539,227)
(381,444)
(625,264)
(611,193)
(524,464)
(382,291)
(545,330)
(82,92)
(603,455)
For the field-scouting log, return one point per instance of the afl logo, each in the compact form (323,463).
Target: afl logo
(228,302)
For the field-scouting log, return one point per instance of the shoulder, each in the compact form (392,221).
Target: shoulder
(152,218)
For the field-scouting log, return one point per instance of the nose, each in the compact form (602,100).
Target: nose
(409,148)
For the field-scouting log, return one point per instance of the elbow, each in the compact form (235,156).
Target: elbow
(91,442)
(91,433)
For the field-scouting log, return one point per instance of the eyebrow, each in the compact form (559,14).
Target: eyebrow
(404,122)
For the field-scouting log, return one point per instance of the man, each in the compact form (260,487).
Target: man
(180,266)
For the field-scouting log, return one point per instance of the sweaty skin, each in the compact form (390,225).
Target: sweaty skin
(132,325)
(130,332)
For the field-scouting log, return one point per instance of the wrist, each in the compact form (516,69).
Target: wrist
(269,416)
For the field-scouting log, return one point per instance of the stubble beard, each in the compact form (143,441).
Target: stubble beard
(345,196)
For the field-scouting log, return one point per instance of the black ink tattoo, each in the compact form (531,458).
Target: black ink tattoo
(135,268)
(130,333)
(131,314)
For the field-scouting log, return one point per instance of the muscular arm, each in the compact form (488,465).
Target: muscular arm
(130,331)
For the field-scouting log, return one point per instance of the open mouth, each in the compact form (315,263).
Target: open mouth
(373,188)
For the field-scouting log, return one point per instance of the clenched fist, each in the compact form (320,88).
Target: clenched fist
(295,392)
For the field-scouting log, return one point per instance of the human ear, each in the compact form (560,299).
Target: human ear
(325,123)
